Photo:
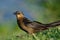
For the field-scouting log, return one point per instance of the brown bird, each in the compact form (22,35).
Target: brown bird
(32,27)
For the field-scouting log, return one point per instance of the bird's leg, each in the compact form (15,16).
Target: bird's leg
(35,36)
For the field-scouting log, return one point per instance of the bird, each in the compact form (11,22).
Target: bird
(32,27)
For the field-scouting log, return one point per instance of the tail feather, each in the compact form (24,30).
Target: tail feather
(57,23)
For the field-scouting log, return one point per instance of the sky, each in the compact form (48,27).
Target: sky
(30,8)
(8,7)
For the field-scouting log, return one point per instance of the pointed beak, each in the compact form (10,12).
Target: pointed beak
(15,12)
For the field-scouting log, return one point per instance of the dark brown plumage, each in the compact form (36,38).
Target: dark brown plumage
(32,26)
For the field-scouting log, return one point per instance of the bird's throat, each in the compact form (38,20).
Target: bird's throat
(21,23)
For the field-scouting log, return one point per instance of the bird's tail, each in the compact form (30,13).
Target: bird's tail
(54,24)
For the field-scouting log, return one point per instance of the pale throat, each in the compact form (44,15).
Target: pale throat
(20,17)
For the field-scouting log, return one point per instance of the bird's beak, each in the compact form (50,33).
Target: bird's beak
(15,13)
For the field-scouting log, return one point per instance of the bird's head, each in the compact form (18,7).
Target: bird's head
(19,15)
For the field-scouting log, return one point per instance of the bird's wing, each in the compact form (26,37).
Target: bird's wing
(36,25)
(26,20)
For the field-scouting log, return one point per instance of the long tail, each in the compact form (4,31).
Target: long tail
(53,24)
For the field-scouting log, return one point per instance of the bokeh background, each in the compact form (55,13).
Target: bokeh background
(44,11)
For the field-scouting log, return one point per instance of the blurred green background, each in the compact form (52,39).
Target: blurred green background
(44,11)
